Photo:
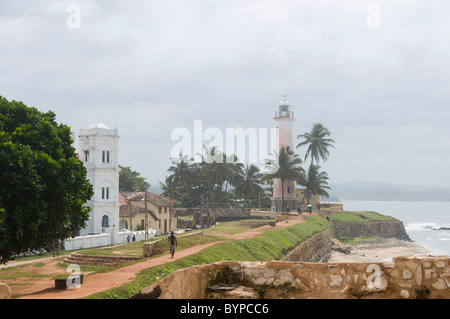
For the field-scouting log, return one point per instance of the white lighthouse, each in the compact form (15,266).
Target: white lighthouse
(99,151)
(284,119)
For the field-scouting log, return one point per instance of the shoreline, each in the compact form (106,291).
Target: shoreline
(380,250)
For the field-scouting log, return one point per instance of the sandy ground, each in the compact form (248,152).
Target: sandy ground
(378,251)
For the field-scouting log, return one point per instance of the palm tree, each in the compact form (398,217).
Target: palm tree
(286,167)
(216,173)
(169,188)
(318,143)
(315,182)
(249,184)
(182,174)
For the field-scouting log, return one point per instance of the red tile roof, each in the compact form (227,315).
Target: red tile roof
(157,200)
(126,209)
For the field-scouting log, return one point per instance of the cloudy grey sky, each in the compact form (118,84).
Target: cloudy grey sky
(376,73)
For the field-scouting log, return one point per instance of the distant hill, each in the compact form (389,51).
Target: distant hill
(366,191)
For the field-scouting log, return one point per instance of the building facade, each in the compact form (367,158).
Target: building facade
(145,209)
(99,152)
(284,119)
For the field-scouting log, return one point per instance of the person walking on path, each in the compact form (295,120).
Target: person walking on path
(310,209)
(172,241)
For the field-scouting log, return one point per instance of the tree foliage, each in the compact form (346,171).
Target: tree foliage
(131,181)
(285,168)
(318,142)
(43,185)
(315,183)
(221,178)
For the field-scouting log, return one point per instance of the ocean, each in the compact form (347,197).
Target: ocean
(424,221)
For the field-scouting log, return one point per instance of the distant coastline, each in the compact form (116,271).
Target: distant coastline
(425,222)
(366,191)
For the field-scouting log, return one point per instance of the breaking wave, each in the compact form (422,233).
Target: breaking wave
(426,226)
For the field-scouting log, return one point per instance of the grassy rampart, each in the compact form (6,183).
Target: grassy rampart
(272,244)
(362,216)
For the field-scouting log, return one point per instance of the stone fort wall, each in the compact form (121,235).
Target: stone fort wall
(402,278)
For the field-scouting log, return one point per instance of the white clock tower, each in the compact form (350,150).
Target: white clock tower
(99,151)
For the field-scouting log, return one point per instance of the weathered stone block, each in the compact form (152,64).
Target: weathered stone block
(5,291)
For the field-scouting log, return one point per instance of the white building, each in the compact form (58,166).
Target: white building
(99,151)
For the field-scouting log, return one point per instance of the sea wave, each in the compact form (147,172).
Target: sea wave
(426,226)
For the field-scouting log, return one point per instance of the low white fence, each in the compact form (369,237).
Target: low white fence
(122,237)
(104,239)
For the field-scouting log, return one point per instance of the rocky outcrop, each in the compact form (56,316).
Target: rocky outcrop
(402,278)
(384,229)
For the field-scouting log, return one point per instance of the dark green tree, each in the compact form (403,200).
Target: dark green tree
(315,183)
(131,181)
(318,143)
(169,189)
(43,185)
(183,175)
(248,185)
(216,171)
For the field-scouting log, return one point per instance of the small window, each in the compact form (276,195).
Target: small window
(105,157)
(105,221)
(289,190)
(86,156)
(159,210)
(105,192)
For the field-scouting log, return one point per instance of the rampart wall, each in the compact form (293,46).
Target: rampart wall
(401,278)
(387,229)
(304,274)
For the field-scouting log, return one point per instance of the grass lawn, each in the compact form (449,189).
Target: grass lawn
(362,216)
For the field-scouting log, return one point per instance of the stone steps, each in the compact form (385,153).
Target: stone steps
(89,260)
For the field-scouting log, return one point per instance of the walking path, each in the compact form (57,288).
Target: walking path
(45,289)
(104,281)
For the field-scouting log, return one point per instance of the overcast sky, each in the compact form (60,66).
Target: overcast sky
(375,73)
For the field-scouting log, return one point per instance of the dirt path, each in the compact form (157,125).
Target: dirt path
(45,289)
(100,282)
